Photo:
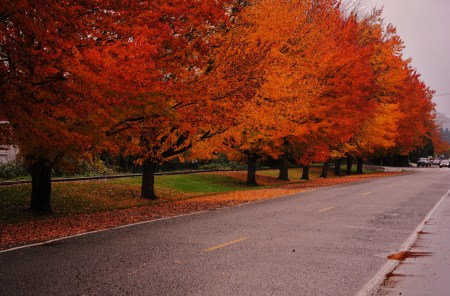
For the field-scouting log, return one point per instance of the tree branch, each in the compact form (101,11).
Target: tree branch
(114,130)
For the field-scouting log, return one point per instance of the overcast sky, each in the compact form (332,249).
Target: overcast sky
(424,26)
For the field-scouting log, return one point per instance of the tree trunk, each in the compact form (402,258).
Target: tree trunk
(41,186)
(324,173)
(337,167)
(305,173)
(148,179)
(349,165)
(251,168)
(284,168)
(359,165)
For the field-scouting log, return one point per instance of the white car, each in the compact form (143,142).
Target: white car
(436,161)
(425,162)
(444,163)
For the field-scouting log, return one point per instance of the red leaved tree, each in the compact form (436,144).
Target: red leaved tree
(205,70)
(45,95)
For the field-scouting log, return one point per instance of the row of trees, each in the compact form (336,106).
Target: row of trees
(306,80)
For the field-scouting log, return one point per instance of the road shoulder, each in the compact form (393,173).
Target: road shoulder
(423,269)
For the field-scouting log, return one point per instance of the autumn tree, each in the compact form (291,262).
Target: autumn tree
(379,124)
(340,97)
(77,71)
(339,80)
(418,122)
(51,106)
(207,70)
(266,120)
(399,95)
(314,87)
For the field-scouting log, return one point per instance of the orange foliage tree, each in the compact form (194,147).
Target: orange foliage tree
(265,120)
(299,79)
(326,81)
(403,119)
(207,72)
(345,78)
(52,107)
(418,122)
(77,71)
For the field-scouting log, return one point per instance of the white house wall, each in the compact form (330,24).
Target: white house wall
(8,153)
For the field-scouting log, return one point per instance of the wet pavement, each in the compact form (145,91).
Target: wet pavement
(331,241)
(425,268)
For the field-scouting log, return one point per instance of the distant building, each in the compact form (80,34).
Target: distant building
(8,153)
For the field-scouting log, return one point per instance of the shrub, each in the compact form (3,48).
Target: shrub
(71,168)
(13,170)
(222,163)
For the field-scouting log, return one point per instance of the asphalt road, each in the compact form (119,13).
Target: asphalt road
(324,242)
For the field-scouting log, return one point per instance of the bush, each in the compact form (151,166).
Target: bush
(215,166)
(13,170)
(70,168)
(222,163)
(17,170)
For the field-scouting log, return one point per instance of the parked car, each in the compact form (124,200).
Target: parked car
(444,163)
(436,161)
(423,161)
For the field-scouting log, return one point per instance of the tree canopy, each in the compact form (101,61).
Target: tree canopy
(307,79)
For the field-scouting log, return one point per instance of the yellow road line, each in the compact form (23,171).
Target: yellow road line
(326,209)
(225,244)
(367,193)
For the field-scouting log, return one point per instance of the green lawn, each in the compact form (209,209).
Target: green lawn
(200,183)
